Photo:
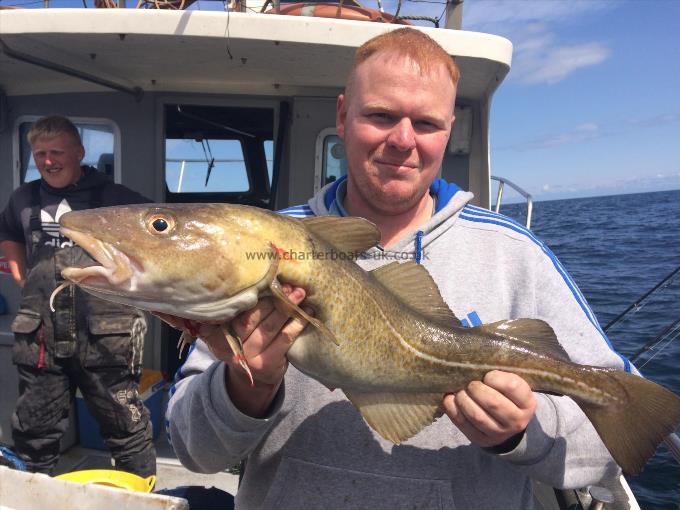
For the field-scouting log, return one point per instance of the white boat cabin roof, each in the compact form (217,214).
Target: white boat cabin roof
(213,52)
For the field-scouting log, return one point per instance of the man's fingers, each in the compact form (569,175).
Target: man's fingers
(264,333)
(270,364)
(266,314)
(513,387)
(245,323)
(490,412)
(459,420)
(472,403)
(280,345)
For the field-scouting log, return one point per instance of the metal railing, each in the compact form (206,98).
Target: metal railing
(501,186)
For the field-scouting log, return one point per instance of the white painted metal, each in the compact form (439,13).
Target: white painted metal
(213,52)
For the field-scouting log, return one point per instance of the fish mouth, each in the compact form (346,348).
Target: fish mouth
(116,267)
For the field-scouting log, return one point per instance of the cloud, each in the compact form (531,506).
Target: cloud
(495,15)
(581,133)
(588,131)
(629,184)
(551,64)
(658,120)
(541,56)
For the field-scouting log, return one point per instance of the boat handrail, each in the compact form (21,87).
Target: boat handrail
(502,181)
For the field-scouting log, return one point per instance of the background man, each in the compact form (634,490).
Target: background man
(308,447)
(86,343)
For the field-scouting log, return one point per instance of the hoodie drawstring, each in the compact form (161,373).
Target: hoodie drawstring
(419,246)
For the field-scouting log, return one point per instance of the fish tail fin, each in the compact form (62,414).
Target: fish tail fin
(633,430)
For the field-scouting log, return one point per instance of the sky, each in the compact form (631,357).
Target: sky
(591,105)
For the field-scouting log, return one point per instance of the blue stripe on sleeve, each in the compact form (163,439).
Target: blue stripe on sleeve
(477,214)
(474,319)
(297,211)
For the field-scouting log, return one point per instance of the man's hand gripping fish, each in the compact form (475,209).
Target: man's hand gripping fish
(385,337)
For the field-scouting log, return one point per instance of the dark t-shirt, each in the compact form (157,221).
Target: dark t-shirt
(15,218)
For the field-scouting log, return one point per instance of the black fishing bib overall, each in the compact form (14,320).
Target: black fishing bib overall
(87,343)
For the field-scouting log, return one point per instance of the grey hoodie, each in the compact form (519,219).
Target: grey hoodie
(315,451)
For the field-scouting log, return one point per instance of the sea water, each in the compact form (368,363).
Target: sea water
(617,248)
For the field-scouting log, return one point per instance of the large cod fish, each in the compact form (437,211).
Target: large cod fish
(385,337)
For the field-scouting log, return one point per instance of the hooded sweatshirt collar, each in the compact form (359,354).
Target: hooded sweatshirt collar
(89,179)
(449,199)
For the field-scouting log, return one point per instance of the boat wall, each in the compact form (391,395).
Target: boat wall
(140,165)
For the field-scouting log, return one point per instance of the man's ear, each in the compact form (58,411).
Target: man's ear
(81,152)
(340,116)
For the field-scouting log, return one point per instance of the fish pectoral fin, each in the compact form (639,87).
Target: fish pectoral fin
(398,416)
(533,332)
(185,340)
(236,346)
(414,286)
(351,235)
(295,311)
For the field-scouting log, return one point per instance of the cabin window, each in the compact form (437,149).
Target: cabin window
(331,163)
(219,153)
(269,156)
(99,140)
(205,166)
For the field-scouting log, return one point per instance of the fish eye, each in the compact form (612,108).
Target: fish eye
(160,224)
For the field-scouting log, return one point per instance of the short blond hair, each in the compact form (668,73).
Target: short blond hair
(53,126)
(406,42)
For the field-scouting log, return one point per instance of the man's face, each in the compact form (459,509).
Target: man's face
(58,159)
(395,123)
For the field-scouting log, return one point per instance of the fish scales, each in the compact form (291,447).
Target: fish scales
(385,337)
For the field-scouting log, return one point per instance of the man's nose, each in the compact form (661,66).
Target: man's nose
(402,136)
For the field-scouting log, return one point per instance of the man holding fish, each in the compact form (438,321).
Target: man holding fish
(468,327)
(305,445)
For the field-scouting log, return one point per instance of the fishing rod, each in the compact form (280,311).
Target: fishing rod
(672,329)
(637,305)
(672,441)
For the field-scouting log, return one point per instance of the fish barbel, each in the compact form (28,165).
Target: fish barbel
(385,337)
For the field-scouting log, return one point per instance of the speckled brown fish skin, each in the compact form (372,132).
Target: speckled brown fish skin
(384,350)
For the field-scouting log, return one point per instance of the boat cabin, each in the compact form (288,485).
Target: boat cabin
(190,106)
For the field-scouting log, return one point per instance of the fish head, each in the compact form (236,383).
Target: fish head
(184,259)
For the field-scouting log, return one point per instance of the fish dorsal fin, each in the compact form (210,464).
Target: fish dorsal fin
(533,332)
(351,235)
(398,416)
(414,286)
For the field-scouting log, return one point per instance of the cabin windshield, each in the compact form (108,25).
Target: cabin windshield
(219,154)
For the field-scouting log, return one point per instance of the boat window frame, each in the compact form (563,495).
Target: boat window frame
(232,101)
(319,155)
(101,121)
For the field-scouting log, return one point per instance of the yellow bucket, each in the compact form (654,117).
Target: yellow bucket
(111,478)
